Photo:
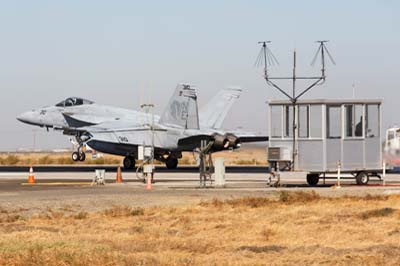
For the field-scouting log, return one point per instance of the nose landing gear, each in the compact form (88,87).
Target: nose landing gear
(80,142)
(78,156)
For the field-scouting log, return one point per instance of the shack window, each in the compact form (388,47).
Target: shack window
(372,121)
(353,120)
(333,120)
(303,124)
(315,121)
(276,121)
(288,125)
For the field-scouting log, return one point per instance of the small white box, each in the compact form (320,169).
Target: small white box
(140,153)
(147,152)
(148,168)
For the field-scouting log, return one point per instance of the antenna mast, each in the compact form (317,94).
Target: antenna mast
(266,58)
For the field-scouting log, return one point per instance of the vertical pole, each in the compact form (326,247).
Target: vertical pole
(294,111)
(338,174)
(201,163)
(384,172)
(278,175)
(323,60)
(152,140)
(265,60)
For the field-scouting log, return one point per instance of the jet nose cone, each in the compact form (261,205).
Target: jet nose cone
(21,117)
(25,117)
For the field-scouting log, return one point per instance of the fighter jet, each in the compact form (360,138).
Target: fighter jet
(113,130)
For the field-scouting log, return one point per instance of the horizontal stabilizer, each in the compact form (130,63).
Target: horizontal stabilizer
(254,139)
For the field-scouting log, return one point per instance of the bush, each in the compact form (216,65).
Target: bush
(253,202)
(11,160)
(121,211)
(298,196)
(185,161)
(10,218)
(65,160)
(45,160)
(137,212)
(81,215)
(99,160)
(382,212)
(246,162)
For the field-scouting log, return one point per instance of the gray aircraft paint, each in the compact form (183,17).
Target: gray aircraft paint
(119,131)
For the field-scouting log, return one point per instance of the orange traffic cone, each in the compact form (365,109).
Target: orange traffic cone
(148,183)
(119,176)
(31,177)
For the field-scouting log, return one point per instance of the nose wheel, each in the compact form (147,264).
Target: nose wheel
(78,156)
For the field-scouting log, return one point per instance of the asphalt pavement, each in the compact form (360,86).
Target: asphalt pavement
(91,168)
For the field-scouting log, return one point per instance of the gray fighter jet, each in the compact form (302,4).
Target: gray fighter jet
(180,128)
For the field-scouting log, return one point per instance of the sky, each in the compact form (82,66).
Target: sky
(121,52)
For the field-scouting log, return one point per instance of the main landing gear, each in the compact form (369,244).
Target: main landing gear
(129,162)
(171,163)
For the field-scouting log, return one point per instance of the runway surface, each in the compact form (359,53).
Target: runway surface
(57,189)
(159,169)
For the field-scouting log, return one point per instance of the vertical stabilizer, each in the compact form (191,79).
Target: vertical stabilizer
(213,114)
(182,110)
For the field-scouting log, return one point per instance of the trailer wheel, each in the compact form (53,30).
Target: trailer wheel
(362,178)
(312,179)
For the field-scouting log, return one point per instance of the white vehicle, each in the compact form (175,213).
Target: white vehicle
(392,147)
(392,141)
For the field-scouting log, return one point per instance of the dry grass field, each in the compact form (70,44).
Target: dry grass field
(248,155)
(294,228)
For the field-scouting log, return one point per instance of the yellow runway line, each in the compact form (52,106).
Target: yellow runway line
(57,184)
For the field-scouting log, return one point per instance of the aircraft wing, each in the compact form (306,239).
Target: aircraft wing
(246,137)
(221,140)
(213,114)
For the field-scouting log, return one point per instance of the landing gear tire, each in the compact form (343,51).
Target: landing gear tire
(75,156)
(312,179)
(82,156)
(171,163)
(362,178)
(129,162)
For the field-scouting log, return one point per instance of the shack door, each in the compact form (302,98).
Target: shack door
(333,135)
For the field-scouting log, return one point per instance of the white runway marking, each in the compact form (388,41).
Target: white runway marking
(14,174)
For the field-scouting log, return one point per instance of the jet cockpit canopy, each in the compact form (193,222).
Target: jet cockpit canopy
(73,101)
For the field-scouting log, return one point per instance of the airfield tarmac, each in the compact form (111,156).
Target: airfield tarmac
(63,220)
(58,189)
